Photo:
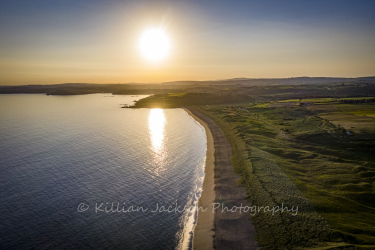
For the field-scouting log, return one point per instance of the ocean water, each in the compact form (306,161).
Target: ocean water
(80,172)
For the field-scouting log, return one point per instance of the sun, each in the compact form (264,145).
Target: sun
(154,44)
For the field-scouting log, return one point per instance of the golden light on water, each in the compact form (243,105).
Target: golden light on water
(156,123)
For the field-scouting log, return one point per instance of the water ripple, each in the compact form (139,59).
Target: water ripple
(57,152)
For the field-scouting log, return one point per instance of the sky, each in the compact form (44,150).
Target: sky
(64,41)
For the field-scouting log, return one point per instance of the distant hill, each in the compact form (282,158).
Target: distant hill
(275,81)
(236,85)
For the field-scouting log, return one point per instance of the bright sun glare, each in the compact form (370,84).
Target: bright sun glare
(154,44)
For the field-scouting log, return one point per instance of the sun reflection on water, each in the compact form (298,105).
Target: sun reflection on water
(156,123)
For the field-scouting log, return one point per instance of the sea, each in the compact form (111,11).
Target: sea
(81,172)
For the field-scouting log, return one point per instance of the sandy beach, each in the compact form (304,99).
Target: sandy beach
(204,229)
(221,230)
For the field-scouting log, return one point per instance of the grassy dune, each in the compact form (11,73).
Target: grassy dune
(328,174)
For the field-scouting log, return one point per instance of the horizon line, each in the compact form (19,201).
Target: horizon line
(177,81)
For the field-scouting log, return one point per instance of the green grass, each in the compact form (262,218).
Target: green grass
(356,118)
(326,100)
(176,94)
(356,98)
(311,100)
(363,112)
(176,100)
(329,175)
(261,105)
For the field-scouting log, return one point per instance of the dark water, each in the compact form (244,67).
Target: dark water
(64,160)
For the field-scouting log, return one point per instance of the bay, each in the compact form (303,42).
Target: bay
(74,170)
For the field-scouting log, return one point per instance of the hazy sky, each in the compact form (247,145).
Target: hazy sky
(47,42)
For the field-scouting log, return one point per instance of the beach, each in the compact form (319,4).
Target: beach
(204,229)
(221,230)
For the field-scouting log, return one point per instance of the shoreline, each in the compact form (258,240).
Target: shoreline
(231,230)
(203,235)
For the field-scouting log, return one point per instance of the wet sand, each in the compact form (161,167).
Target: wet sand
(203,232)
(231,230)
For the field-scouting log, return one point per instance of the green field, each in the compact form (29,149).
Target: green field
(176,94)
(298,155)
(176,100)
(358,119)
